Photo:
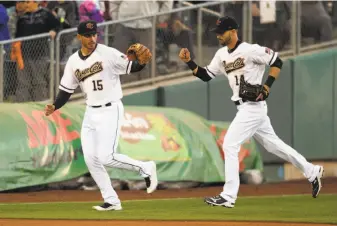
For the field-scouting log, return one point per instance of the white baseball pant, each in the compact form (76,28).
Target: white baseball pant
(99,137)
(252,120)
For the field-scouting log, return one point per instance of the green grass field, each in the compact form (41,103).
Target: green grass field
(297,208)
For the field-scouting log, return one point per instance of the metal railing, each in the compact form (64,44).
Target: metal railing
(44,60)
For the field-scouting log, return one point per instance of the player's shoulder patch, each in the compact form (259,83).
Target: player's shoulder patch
(268,51)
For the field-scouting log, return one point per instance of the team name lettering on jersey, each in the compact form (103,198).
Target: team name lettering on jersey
(237,64)
(100,71)
(87,72)
(246,59)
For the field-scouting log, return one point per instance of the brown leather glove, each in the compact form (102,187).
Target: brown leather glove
(140,53)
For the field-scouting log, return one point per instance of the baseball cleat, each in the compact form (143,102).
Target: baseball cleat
(317,183)
(152,180)
(218,201)
(107,206)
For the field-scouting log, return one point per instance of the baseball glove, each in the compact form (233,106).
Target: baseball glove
(248,91)
(140,53)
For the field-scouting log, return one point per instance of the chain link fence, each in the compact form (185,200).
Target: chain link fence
(27,72)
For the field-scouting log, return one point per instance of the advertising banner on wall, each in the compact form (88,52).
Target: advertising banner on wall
(36,149)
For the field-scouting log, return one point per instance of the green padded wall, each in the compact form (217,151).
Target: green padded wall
(313,105)
(147,98)
(221,106)
(191,96)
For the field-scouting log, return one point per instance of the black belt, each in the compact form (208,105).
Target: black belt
(99,106)
(239,102)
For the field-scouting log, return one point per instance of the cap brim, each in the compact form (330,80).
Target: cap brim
(217,30)
(220,30)
(89,33)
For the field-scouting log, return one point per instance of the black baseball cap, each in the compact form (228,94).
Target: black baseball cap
(225,24)
(88,27)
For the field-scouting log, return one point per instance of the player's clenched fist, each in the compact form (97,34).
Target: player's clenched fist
(49,109)
(185,55)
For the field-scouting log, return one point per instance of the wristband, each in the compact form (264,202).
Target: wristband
(192,65)
(269,81)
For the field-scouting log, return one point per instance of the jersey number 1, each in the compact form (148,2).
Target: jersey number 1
(237,80)
(97,85)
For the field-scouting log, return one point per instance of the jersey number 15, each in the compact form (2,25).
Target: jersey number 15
(97,84)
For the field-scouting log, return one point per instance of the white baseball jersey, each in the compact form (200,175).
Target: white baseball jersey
(97,74)
(247,59)
(251,119)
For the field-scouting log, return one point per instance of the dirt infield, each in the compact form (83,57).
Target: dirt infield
(286,188)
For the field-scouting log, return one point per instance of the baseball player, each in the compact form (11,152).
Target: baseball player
(244,65)
(96,68)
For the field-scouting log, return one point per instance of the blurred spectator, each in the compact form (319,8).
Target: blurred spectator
(110,12)
(182,35)
(32,56)
(14,12)
(128,33)
(4,31)
(331,8)
(267,33)
(110,9)
(4,35)
(65,11)
(172,32)
(88,10)
(138,30)
(316,22)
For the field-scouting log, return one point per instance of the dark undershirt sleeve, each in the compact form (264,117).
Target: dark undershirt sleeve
(61,99)
(277,63)
(203,75)
(135,66)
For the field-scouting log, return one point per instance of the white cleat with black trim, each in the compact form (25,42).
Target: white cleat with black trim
(152,180)
(107,207)
(218,201)
(316,184)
